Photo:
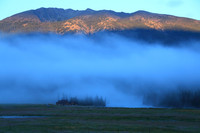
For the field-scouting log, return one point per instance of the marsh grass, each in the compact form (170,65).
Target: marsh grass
(98,119)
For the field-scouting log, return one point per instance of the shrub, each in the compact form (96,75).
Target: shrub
(88,101)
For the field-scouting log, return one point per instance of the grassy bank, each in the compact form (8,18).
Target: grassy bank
(92,119)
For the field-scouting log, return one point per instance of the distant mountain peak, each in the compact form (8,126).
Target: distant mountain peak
(89,9)
(141,12)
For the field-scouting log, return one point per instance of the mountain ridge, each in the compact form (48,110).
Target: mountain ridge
(61,21)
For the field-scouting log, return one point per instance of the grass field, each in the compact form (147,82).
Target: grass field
(92,119)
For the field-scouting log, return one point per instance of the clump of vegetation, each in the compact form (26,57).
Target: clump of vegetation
(183,98)
(88,101)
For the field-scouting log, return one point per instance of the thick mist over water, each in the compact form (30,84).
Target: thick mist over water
(127,73)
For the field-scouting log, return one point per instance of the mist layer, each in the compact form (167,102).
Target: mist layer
(127,73)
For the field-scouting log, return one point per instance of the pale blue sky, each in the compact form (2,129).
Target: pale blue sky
(184,8)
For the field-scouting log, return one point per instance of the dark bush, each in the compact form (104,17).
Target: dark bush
(88,101)
(182,98)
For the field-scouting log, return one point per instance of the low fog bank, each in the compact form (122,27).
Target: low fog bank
(127,73)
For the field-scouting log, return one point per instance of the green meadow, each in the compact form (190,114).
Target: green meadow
(63,119)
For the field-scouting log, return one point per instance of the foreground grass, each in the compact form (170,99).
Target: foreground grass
(92,119)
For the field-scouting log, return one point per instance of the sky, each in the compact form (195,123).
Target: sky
(183,8)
